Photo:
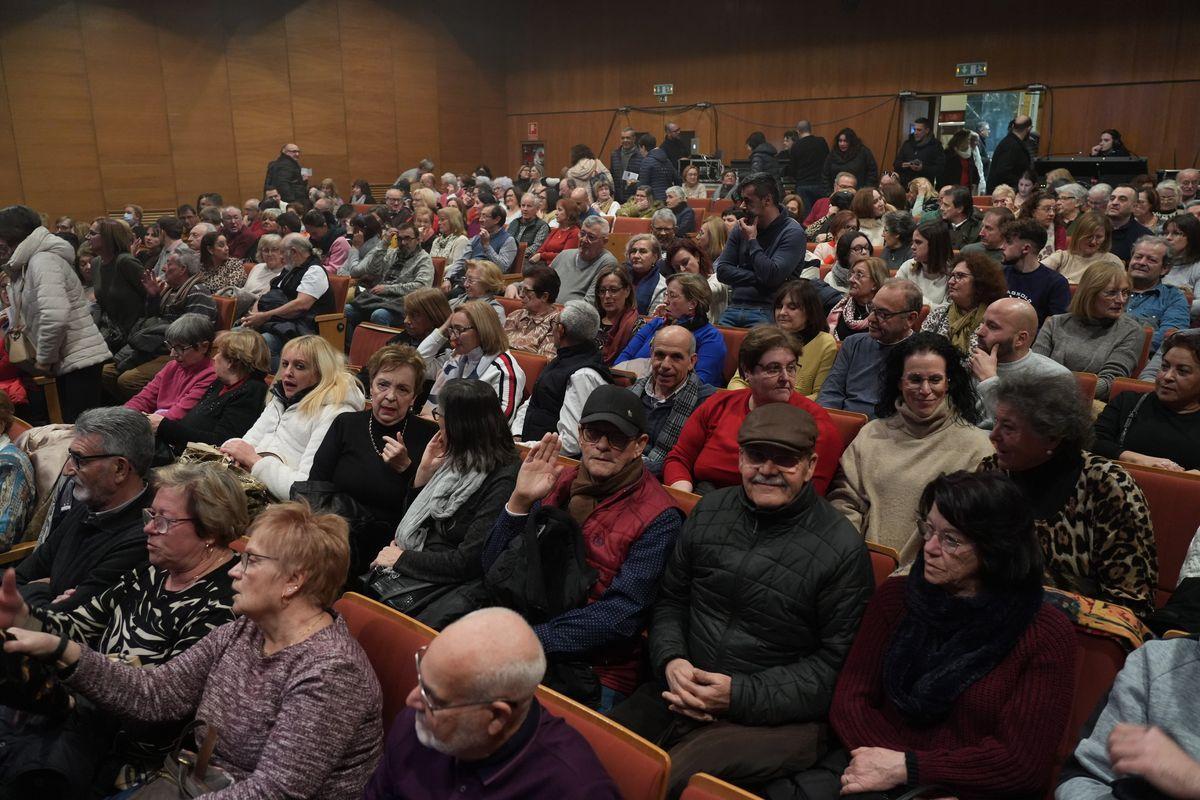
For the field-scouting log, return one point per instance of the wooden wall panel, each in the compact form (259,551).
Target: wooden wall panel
(315,71)
(196,78)
(256,57)
(11,190)
(415,89)
(128,106)
(366,43)
(47,83)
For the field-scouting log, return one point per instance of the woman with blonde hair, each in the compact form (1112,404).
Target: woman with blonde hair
(693,189)
(482,280)
(310,389)
(1096,335)
(1004,196)
(472,344)
(451,241)
(1087,246)
(922,197)
(712,237)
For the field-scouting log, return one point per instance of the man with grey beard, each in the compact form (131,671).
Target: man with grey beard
(473,727)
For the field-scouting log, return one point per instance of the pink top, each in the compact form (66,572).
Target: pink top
(174,390)
(335,259)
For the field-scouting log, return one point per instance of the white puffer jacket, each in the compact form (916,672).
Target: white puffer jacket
(51,305)
(294,437)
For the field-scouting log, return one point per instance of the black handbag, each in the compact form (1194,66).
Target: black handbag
(407,595)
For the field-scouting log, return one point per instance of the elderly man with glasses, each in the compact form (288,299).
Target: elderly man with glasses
(629,524)
(473,727)
(577,268)
(756,611)
(96,525)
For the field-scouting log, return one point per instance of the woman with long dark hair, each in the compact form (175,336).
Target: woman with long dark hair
(465,475)
(924,426)
(116,280)
(849,154)
(929,268)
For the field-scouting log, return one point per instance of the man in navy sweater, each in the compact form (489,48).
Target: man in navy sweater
(1026,277)
(762,253)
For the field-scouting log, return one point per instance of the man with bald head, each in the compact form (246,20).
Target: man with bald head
(473,728)
(1007,332)
(285,177)
(670,393)
(241,240)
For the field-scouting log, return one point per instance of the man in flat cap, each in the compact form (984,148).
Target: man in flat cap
(756,612)
(629,525)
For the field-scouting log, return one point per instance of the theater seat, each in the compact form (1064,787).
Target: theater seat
(717,207)
(510,304)
(226,308)
(16,427)
(699,205)
(703,786)
(1087,385)
(1100,659)
(637,767)
(368,339)
(848,423)
(439,270)
(631,225)
(733,345)
(617,242)
(390,640)
(884,561)
(687,501)
(532,364)
(1146,342)
(1175,515)
(1120,385)
(332,326)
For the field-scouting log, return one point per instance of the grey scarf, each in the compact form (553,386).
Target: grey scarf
(441,498)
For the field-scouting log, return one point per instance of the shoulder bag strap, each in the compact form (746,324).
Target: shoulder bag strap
(1129,420)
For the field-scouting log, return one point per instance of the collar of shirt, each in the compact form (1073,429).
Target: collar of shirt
(652,390)
(102,519)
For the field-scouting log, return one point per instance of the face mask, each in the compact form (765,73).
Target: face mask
(964,152)
(128,217)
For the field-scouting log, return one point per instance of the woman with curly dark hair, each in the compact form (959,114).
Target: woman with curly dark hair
(925,426)
(974,283)
(849,154)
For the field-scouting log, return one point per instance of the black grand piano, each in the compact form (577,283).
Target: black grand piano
(1111,170)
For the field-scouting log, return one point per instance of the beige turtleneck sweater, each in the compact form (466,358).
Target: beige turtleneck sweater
(904,454)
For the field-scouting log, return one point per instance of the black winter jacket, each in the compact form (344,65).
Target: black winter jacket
(860,164)
(1009,162)
(929,153)
(658,173)
(284,174)
(762,159)
(772,598)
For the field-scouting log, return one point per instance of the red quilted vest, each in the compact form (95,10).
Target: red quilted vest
(615,524)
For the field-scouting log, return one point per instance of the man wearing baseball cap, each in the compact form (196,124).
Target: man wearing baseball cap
(757,609)
(629,525)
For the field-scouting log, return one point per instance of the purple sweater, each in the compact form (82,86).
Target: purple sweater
(302,723)
(174,390)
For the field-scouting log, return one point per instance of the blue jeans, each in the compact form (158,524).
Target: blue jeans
(745,316)
(609,699)
(275,345)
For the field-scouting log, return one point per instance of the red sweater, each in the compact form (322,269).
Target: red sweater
(1002,735)
(707,448)
(559,239)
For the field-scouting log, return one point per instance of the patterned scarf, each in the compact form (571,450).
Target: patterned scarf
(685,403)
(963,326)
(852,315)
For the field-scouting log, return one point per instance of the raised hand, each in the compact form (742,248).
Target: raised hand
(538,474)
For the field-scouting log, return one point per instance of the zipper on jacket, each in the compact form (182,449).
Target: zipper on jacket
(737,581)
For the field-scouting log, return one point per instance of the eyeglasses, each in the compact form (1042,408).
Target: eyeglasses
(617,441)
(664,231)
(916,381)
(860,248)
(406,238)
(526,291)
(949,542)
(249,559)
(959,276)
(79,460)
(775,370)
(434,707)
(883,315)
(160,523)
(1113,294)
(178,348)
(614,290)
(458,330)
(782,459)
(437,413)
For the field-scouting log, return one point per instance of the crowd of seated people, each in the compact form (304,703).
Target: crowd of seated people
(442,480)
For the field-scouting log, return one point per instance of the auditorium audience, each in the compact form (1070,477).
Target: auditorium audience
(1183,235)
(1126,230)
(231,403)
(451,240)
(1003,196)
(1024,274)
(531,328)
(1011,159)
(481,282)
(564,236)
(702,458)
(472,344)
(116,281)
(152,613)
(974,283)
(563,387)
(311,388)
(614,300)
(960,676)
(798,312)
(853,383)
(844,183)
(629,524)
(1160,428)
(1145,209)
(898,229)
(298,701)
(924,426)
(685,217)
(366,236)
(640,205)
(185,378)
(241,239)
(686,303)
(96,536)
(1003,343)
(686,255)
(1089,244)
(932,259)
(692,188)
(48,303)
(840,224)
(850,315)
(626,160)
(663,226)
(748,684)
(1152,302)
(962,221)
(762,253)
(1039,207)
(492,243)
(297,295)
(385,277)
(1096,335)
(578,267)
(508,743)
(1090,515)
(850,154)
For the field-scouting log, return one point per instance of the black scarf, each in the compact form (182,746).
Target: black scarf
(277,391)
(946,643)
(1050,484)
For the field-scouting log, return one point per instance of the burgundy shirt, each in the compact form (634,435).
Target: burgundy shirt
(545,758)
(243,244)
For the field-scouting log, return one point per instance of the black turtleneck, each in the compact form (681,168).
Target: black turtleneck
(1048,485)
